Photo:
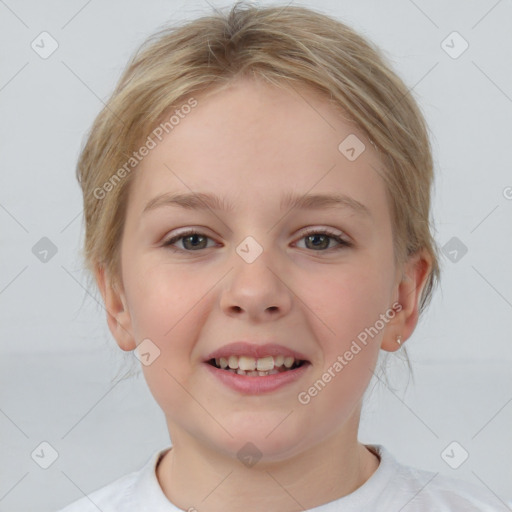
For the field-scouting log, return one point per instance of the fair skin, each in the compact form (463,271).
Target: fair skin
(251,144)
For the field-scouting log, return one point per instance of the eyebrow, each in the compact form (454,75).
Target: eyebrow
(205,201)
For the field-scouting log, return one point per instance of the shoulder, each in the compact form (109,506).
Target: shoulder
(109,498)
(418,490)
(122,495)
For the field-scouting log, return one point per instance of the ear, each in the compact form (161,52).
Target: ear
(408,290)
(118,316)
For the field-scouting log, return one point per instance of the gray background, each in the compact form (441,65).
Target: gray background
(59,365)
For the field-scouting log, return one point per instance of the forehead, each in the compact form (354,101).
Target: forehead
(254,143)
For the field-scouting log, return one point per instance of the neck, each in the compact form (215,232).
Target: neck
(194,477)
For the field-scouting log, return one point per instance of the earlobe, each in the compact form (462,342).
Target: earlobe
(410,288)
(118,315)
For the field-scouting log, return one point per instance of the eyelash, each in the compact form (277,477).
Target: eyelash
(342,242)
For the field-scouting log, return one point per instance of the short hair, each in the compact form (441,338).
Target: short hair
(291,45)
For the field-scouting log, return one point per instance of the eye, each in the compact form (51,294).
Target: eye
(316,239)
(192,241)
(320,239)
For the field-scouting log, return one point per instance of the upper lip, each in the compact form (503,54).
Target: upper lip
(244,348)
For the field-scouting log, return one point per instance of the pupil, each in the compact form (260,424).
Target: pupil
(194,246)
(311,237)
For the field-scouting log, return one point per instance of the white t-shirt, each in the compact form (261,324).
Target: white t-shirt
(393,487)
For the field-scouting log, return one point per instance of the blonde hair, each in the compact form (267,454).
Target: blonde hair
(294,45)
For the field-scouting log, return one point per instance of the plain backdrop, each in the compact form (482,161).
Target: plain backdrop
(60,367)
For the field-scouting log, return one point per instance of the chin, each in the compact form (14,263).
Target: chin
(268,440)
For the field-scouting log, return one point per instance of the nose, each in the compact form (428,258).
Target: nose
(257,290)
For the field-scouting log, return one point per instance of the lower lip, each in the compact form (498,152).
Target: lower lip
(256,385)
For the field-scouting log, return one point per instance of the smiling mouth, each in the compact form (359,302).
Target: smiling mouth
(261,367)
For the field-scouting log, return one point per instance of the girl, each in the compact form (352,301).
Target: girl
(257,200)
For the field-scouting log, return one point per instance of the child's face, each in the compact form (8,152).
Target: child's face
(253,145)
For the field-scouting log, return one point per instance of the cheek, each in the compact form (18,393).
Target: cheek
(161,297)
(163,304)
(343,301)
(164,309)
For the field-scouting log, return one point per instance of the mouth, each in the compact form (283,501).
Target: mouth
(257,367)
(250,376)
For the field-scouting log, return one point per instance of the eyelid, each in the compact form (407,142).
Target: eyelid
(340,237)
(307,231)
(182,234)
(327,231)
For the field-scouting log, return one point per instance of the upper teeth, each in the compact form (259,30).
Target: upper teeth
(251,363)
